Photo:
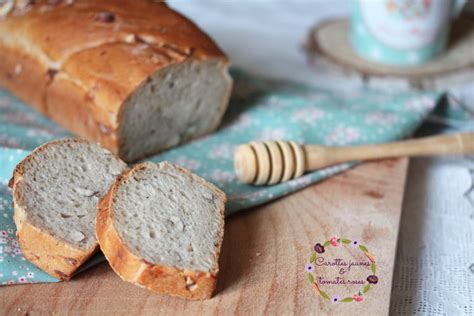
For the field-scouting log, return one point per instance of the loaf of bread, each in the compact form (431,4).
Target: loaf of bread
(134,76)
(161,227)
(56,190)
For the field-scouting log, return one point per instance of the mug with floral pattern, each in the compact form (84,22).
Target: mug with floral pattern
(401,32)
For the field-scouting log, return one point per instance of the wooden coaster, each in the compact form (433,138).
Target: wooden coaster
(328,45)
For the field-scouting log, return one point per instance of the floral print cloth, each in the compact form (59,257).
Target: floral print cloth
(260,109)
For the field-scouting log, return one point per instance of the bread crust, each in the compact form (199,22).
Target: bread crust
(188,284)
(23,74)
(99,63)
(52,255)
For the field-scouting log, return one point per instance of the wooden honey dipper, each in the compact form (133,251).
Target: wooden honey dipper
(273,162)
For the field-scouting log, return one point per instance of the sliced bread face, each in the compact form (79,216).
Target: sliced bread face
(161,227)
(177,103)
(56,190)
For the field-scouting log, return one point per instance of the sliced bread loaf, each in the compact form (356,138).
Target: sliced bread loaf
(161,227)
(56,190)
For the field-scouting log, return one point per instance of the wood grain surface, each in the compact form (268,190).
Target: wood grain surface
(264,254)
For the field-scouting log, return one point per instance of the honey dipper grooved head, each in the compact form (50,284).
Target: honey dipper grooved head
(245,163)
(269,162)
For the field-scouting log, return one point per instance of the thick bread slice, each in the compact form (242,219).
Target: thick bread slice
(135,76)
(56,190)
(161,227)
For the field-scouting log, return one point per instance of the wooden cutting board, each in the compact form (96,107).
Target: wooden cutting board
(263,260)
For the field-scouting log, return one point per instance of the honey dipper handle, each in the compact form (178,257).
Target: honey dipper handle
(319,157)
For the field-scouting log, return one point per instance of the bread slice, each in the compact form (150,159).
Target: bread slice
(161,227)
(56,190)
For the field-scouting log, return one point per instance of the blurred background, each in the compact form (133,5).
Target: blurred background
(267,37)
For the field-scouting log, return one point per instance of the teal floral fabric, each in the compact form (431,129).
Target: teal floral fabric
(260,109)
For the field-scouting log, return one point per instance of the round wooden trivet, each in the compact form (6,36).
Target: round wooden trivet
(329,46)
